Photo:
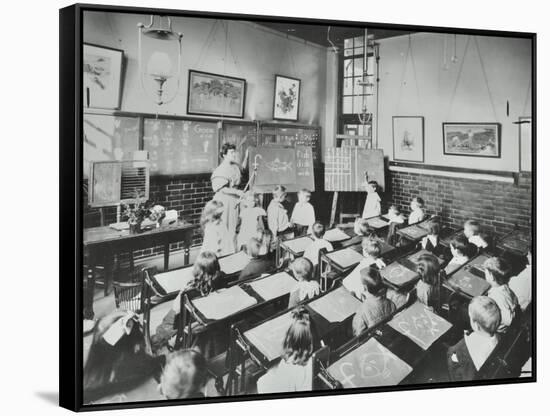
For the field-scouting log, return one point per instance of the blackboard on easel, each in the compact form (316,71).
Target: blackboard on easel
(290,167)
(347,168)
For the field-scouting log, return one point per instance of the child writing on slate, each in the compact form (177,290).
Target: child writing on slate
(277,215)
(375,307)
(184,375)
(295,370)
(251,219)
(216,237)
(372,203)
(305,288)
(372,251)
(258,264)
(417,210)
(431,241)
(472,231)
(312,251)
(427,288)
(466,358)
(460,250)
(497,273)
(303,214)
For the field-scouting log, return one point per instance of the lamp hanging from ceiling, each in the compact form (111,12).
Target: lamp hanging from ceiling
(160,43)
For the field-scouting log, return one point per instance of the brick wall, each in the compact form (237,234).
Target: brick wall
(497,206)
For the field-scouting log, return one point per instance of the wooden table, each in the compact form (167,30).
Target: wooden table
(103,243)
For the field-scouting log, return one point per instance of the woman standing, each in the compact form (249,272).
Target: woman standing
(225,179)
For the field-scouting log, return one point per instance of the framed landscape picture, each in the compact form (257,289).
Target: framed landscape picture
(215,95)
(102,73)
(472,139)
(408,138)
(287,98)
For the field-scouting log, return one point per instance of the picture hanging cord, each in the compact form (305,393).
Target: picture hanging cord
(207,43)
(288,51)
(460,74)
(403,79)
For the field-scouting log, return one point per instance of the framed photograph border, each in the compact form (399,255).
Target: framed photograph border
(423,139)
(198,113)
(121,75)
(275,97)
(469,123)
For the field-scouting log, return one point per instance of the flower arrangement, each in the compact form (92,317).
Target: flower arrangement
(139,210)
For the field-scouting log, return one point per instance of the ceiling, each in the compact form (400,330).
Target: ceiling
(318,33)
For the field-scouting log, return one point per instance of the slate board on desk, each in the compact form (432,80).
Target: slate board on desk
(269,336)
(369,365)
(223,303)
(468,283)
(234,263)
(377,222)
(273,286)
(420,324)
(345,258)
(335,235)
(415,256)
(175,280)
(397,274)
(336,306)
(297,246)
(414,232)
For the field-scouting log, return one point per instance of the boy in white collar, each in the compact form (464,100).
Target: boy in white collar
(521,284)
(312,251)
(472,232)
(394,215)
(417,210)
(460,249)
(306,288)
(497,273)
(372,250)
(466,358)
(277,215)
(303,214)
(372,203)
(431,241)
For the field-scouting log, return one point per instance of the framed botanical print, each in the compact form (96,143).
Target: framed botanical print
(286,101)
(408,138)
(102,76)
(471,139)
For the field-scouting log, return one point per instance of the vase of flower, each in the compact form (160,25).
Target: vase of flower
(135,227)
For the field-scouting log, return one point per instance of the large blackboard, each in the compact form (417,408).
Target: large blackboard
(109,138)
(274,134)
(291,167)
(242,134)
(346,168)
(180,146)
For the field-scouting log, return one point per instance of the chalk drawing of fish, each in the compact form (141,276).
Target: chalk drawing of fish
(279,166)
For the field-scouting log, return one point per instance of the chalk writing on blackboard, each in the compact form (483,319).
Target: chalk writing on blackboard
(420,324)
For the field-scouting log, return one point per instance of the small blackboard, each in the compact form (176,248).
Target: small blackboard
(181,146)
(347,168)
(291,167)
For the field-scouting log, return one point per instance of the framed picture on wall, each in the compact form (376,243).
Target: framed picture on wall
(101,76)
(286,101)
(215,95)
(525,144)
(471,139)
(408,138)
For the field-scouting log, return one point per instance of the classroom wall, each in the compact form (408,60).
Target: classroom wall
(507,66)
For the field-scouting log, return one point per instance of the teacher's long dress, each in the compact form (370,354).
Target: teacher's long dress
(226,176)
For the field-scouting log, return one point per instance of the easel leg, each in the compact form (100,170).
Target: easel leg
(333,210)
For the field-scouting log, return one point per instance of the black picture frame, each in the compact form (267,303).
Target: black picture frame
(465,145)
(111,102)
(418,119)
(72,198)
(192,100)
(279,107)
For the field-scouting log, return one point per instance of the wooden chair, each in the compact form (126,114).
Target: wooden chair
(129,295)
(344,217)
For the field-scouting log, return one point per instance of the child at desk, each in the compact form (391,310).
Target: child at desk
(372,250)
(427,288)
(306,288)
(251,219)
(266,249)
(312,251)
(375,307)
(431,241)
(460,250)
(184,375)
(216,237)
(362,228)
(466,358)
(521,284)
(295,370)
(258,264)
(277,215)
(303,214)
(497,273)
(372,203)
(417,210)
(394,215)
(472,231)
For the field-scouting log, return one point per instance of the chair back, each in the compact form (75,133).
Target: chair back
(128,295)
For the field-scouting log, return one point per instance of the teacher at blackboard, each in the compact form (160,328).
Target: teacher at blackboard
(225,179)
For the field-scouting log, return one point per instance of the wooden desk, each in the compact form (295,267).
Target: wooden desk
(103,243)
(517,243)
